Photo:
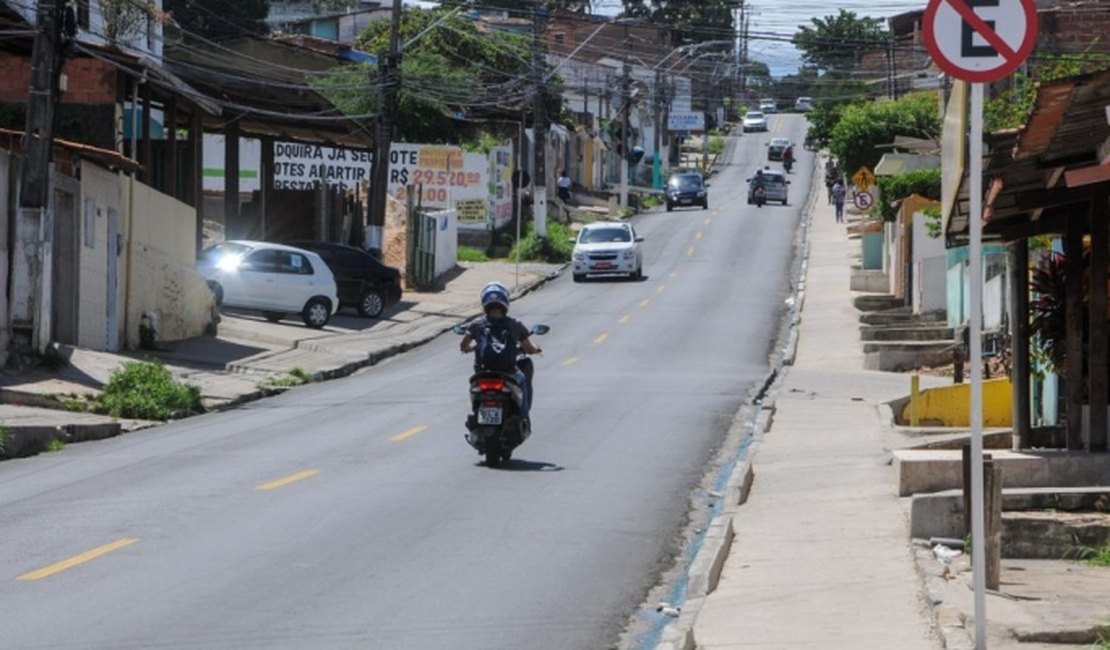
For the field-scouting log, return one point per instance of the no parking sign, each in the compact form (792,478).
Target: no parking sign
(863,200)
(980,40)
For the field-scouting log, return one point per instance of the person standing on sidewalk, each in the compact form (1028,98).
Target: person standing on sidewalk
(838,193)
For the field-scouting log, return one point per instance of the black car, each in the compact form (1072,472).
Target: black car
(363,282)
(686,188)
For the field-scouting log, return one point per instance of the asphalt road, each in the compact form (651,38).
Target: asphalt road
(351,514)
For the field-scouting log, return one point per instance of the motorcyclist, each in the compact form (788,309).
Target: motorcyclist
(758,183)
(495,304)
(788,157)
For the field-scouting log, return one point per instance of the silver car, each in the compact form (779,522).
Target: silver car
(607,248)
(753,121)
(775,186)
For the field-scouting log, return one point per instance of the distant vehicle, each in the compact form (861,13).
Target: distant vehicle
(271,278)
(363,282)
(607,248)
(775,186)
(803,104)
(753,121)
(686,187)
(768,105)
(776,147)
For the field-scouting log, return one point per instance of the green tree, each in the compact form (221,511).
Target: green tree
(219,19)
(864,127)
(835,43)
(451,68)
(692,21)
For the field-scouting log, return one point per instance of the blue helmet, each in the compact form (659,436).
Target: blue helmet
(495,294)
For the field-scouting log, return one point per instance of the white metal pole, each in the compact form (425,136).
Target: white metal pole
(975,226)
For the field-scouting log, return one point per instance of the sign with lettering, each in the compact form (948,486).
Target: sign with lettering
(445,174)
(501,185)
(686,121)
(308,166)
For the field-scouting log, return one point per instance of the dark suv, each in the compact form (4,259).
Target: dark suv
(363,282)
(686,187)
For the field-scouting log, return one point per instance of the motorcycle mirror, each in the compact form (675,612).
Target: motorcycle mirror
(459,329)
(540,330)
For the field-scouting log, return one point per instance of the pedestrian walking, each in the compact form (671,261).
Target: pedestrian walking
(838,193)
(830,177)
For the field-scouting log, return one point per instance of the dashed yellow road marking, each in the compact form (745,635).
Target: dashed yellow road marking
(674,274)
(602,338)
(708,220)
(624,319)
(292,478)
(571,361)
(690,252)
(698,236)
(644,303)
(405,435)
(661,288)
(76,560)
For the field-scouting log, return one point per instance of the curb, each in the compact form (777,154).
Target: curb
(22,441)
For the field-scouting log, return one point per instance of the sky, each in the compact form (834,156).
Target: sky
(780,19)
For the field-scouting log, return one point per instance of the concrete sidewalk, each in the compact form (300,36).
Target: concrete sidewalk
(248,351)
(822,556)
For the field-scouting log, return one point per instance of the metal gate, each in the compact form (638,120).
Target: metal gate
(421,258)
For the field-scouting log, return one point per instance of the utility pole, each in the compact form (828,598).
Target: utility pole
(389,82)
(539,123)
(660,125)
(626,100)
(31,255)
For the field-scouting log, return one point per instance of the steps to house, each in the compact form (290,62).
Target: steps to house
(918,333)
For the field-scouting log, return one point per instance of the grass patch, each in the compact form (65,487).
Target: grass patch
(1094,556)
(295,377)
(650,201)
(471,254)
(55,445)
(716,146)
(76,405)
(556,248)
(147,390)
(5,441)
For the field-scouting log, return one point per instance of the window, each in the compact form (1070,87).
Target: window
(263,261)
(560,38)
(83,14)
(293,263)
(605,235)
(349,259)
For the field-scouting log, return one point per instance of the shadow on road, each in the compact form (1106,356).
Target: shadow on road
(517,465)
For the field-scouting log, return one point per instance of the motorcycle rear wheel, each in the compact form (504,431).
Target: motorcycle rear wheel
(493,452)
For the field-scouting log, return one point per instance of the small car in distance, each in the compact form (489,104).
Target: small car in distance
(768,106)
(775,186)
(271,278)
(803,104)
(363,282)
(753,121)
(607,248)
(686,187)
(776,147)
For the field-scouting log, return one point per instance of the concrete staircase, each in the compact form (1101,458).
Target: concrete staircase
(897,340)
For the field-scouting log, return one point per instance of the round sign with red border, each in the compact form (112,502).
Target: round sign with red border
(980,40)
(863,200)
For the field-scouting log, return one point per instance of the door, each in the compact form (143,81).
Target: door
(65,278)
(254,283)
(111,344)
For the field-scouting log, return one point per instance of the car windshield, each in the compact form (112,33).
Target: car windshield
(685,180)
(753,115)
(605,235)
(780,142)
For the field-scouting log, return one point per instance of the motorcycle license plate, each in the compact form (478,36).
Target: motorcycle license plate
(489,415)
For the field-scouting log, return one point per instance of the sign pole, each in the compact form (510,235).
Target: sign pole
(975,226)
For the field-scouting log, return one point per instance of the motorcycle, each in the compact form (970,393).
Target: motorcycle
(494,425)
(760,196)
(788,164)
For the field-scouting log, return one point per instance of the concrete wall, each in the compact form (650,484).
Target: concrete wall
(161,276)
(101,196)
(447,241)
(929,260)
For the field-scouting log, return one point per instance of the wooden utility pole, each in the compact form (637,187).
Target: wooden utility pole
(30,281)
(389,82)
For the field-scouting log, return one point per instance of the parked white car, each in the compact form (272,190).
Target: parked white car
(271,278)
(803,104)
(608,248)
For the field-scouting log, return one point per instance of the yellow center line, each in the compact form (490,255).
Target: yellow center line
(661,288)
(698,236)
(624,319)
(571,361)
(405,435)
(674,274)
(293,478)
(601,339)
(708,220)
(690,252)
(87,556)
(644,303)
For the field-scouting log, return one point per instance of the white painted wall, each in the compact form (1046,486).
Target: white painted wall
(929,267)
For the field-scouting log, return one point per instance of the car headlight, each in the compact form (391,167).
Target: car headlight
(701,193)
(629,254)
(578,255)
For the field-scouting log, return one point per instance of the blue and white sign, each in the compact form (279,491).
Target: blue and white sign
(686,122)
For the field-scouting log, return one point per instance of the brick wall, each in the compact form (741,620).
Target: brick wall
(88,81)
(1074,28)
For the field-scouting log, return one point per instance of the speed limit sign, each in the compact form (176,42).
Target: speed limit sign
(863,200)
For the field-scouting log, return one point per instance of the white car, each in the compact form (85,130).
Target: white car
(271,278)
(768,106)
(753,121)
(803,104)
(607,248)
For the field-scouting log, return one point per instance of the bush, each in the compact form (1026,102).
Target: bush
(556,248)
(862,128)
(146,390)
(925,182)
(471,254)
(716,146)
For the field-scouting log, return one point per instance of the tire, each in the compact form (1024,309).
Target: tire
(579,277)
(784,202)
(670,207)
(372,304)
(273,316)
(639,274)
(705,205)
(316,312)
(493,452)
(217,291)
